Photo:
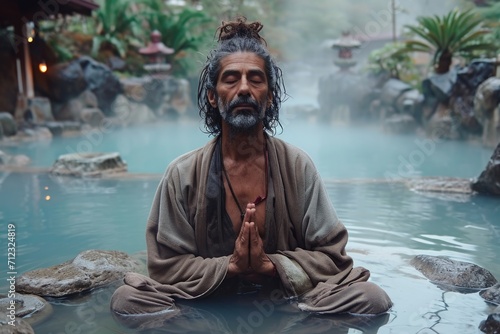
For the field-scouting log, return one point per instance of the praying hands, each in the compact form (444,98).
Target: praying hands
(249,258)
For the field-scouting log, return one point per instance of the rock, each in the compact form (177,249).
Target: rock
(410,102)
(14,326)
(488,181)
(469,78)
(31,308)
(40,110)
(492,294)
(38,133)
(129,112)
(91,116)
(55,128)
(179,100)
(487,98)
(392,90)
(162,95)
(102,82)
(440,184)
(476,72)
(58,128)
(90,269)
(89,99)
(64,81)
(88,164)
(442,125)
(8,124)
(69,110)
(19,160)
(491,325)
(440,86)
(399,97)
(453,275)
(487,110)
(491,130)
(400,124)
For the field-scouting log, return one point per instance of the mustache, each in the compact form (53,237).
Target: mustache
(243,100)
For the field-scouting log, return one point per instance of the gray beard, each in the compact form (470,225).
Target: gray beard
(245,121)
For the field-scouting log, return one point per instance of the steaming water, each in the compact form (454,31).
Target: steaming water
(388,223)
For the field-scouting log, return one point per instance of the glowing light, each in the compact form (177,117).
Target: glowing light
(47,198)
(46,188)
(42,67)
(30,39)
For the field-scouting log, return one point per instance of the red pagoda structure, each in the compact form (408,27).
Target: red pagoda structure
(156,53)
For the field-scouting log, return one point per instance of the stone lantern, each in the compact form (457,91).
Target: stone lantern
(156,53)
(345,45)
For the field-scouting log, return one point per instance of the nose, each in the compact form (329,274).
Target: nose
(244,88)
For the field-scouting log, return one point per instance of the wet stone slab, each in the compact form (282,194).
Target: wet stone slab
(453,275)
(491,325)
(33,309)
(441,185)
(14,326)
(492,295)
(90,269)
(88,164)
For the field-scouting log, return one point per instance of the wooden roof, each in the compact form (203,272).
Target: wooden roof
(12,11)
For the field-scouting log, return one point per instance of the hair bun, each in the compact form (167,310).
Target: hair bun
(240,28)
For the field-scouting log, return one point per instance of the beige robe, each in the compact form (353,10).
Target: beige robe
(304,238)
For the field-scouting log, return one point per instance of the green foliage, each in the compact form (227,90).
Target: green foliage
(444,36)
(491,15)
(388,60)
(116,27)
(62,46)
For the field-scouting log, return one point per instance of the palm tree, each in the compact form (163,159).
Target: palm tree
(454,33)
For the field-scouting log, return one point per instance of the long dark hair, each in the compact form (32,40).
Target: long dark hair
(239,36)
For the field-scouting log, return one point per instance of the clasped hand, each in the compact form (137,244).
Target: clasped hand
(249,258)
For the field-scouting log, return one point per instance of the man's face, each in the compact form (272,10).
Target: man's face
(242,94)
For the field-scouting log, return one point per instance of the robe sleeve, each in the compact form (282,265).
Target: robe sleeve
(170,238)
(319,238)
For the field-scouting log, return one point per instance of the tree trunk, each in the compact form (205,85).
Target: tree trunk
(444,62)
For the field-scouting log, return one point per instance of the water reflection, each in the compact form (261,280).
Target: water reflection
(72,185)
(246,316)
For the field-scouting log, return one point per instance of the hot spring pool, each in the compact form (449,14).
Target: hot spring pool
(388,224)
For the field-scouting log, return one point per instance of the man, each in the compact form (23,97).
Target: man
(247,213)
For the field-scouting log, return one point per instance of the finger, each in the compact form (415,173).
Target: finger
(254,234)
(257,253)
(241,250)
(244,235)
(249,214)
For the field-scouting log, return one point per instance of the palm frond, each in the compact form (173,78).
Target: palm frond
(448,34)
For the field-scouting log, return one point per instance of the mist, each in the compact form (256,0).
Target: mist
(302,36)
(303,27)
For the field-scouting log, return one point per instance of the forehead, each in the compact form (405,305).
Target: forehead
(242,62)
